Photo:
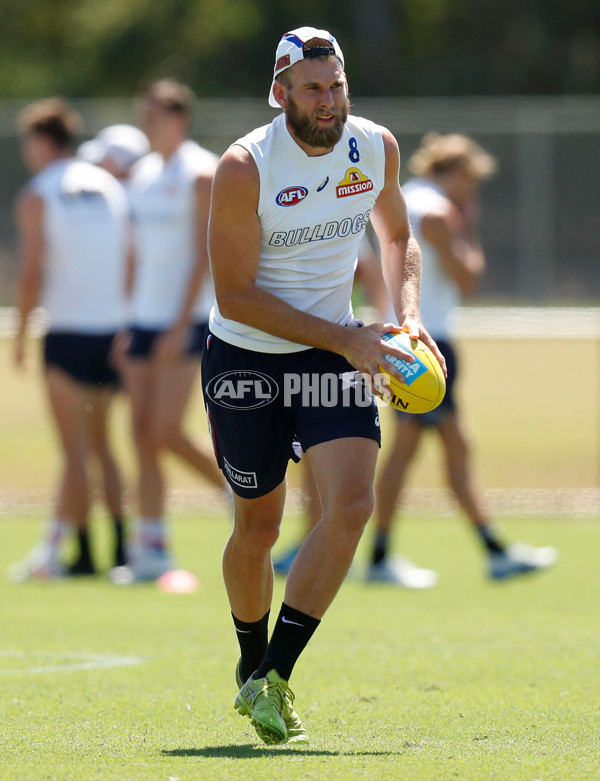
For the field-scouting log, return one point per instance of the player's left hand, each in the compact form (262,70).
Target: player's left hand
(416,330)
(367,352)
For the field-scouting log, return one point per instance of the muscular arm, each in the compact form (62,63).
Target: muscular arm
(400,253)
(369,277)
(458,250)
(29,218)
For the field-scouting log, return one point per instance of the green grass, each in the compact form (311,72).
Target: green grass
(472,680)
(532,407)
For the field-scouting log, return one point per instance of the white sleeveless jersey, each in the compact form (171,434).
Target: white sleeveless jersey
(163,201)
(86,230)
(439,294)
(313,212)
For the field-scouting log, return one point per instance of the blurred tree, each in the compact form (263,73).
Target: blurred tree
(225,47)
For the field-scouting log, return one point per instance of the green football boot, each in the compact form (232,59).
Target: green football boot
(282,700)
(240,683)
(295,728)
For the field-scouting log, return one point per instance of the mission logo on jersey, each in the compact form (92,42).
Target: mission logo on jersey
(353,183)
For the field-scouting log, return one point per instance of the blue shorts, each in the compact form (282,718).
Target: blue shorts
(261,413)
(143,340)
(84,357)
(448,404)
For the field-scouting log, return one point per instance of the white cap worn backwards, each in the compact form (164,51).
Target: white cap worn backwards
(290,50)
(123,144)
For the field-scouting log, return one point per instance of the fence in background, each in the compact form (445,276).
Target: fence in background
(540,223)
(494,322)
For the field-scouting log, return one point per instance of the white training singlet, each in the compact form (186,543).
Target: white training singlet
(86,231)
(163,201)
(313,212)
(439,293)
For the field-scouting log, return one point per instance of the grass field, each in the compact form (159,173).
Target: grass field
(472,680)
(531,429)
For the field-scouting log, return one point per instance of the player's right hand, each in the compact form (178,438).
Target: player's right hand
(365,350)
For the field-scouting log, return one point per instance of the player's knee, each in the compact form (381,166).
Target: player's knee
(361,511)
(257,533)
(352,513)
(264,537)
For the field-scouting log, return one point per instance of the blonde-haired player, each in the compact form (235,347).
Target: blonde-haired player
(443,210)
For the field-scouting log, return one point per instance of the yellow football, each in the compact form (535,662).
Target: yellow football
(425,384)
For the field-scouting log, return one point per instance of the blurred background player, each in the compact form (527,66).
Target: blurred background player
(116,148)
(73,224)
(443,210)
(171,296)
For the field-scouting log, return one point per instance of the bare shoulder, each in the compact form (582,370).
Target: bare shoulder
(392,157)
(390,144)
(237,180)
(237,163)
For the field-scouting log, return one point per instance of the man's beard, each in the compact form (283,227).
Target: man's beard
(305,127)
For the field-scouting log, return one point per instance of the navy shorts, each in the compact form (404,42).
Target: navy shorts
(265,408)
(448,404)
(84,357)
(143,340)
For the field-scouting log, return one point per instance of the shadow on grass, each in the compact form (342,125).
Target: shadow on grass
(248,751)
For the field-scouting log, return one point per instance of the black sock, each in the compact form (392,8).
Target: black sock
(253,638)
(380,547)
(489,539)
(83,540)
(292,632)
(119,549)
(82,564)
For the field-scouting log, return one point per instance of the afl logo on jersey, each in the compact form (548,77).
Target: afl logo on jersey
(291,196)
(353,183)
